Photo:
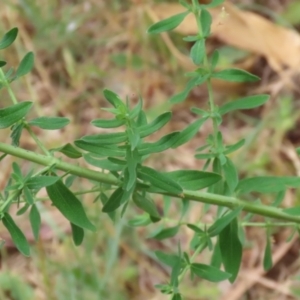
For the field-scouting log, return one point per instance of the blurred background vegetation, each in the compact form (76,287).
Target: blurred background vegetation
(82,47)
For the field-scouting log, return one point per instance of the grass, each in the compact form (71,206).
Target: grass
(80,49)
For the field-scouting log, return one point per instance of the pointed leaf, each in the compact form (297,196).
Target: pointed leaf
(168,259)
(159,180)
(146,204)
(38,182)
(206,20)
(17,235)
(198,80)
(244,103)
(166,233)
(231,249)
(8,38)
(69,205)
(50,123)
(198,52)
(163,144)
(230,174)
(212,3)
(26,65)
(167,24)
(70,151)
(194,180)
(101,150)
(222,222)
(235,75)
(105,138)
(113,98)
(268,263)
(188,133)
(35,221)
(77,234)
(117,198)
(155,125)
(102,163)
(13,114)
(209,273)
(267,184)
(103,123)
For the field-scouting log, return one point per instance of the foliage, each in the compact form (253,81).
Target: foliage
(123,179)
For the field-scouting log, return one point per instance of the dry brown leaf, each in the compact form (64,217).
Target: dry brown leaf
(245,30)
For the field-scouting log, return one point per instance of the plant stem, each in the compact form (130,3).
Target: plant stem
(36,139)
(7,85)
(204,197)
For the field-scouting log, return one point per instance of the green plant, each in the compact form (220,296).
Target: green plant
(123,179)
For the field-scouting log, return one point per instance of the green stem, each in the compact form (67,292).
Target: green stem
(36,139)
(204,197)
(7,85)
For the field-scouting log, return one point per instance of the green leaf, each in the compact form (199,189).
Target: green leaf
(267,184)
(212,3)
(22,210)
(17,235)
(77,234)
(28,195)
(133,137)
(50,123)
(13,114)
(103,123)
(231,249)
(159,180)
(102,163)
(35,221)
(137,109)
(26,65)
(194,180)
(104,199)
(198,52)
(230,174)
(105,138)
(146,204)
(209,273)
(216,258)
(294,211)
(244,103)
(38,182)
(141,119)
(16,131)
(167,24)
(166,233)
(117,198)
(101,150)
(235,75)
(69,205)
(176,296)
(231,148)
(222,222)
(140,220)
(8,38)
(70,151)
(214,59)
(155,125)
(268,263)
(198,80)
(113,98)
(188,133)
(2,63)
(168,259)
(163,144)
(206,20)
